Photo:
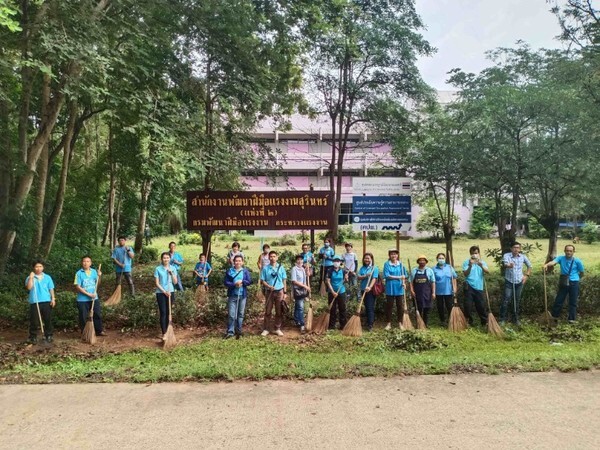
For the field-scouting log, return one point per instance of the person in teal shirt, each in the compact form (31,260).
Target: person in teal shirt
(122,257)
(367,276)
(202,271)
(571,267)
(326,254)
(395,274)
(473,270)
(336,291)
(176,261)
(41,295)
(274,279)
(165,279)
(445,287)
(86,282)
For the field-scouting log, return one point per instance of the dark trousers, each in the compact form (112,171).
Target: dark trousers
(34,319)
(274,298)
(84,312)
(340,305)
(389,307)
(473,296)
(424,311)
(163,309)
(370,309)
(444,306)
(572,290)
(128,278)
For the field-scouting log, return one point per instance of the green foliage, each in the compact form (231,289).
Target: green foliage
(590,232)
(148,255)
(536,230)
(482,222)
(496,253)
(413,341)
(186,238)
(431,221)
(286,239)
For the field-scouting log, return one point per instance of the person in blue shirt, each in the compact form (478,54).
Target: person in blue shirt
(202,271)
(422,287)
(176,262)
(572,268)
(300,290)
(395,274)
(336,292)
(165,279)
(86,282)
(122,257)
(514,280)
(237,279)
(474,269)
(235,250)
(274,279)
(367,276)
(326,254)
(308,260)
(445,287)
(41,294)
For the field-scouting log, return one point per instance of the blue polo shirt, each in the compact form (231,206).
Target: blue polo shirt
(428,272)
(40,293)
(366,270)
(236,275)
(393,287)
(308,258)
(336,278)
(274,276)
(87,281)
(121,255)
(328,253)
(475,278)
(164,279)
(202,269)
(565,265)
(176,257)
(443,279)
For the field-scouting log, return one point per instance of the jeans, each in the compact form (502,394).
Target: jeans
(444,305)
(299,311)
(236,306)
(370,309)
(34,319)
(84,312)
(353,283)
(572,290)
(163,309)
(511,289)
(474,296)
(129,280)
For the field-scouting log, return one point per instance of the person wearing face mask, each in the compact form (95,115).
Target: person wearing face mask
(445,287)
(394,273)
(335,279)
(367,276)
(473,270)
(422,287)
(326,254)
(300,289)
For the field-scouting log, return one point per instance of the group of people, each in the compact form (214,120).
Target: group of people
(424,284)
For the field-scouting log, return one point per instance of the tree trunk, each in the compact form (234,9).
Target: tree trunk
(206,238)
(6,175)
(110,225)
(145,190)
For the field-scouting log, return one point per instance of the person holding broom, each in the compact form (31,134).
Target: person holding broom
(514,280)
(367,276)
(300,290)
(237,279)
(41,301)
(122,257)
(445,287)
(202,271)
(274,279)
(395,274)
(474,269)
(334,280)
(326,254)
(165,280)
(308,259)
(176,262)
(86,282)
(422,287)
(571,271)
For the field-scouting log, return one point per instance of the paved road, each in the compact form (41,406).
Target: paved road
(545,410)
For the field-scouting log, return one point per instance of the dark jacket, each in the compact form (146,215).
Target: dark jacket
(230,284)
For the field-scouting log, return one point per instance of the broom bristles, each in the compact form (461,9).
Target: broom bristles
(115,298)
(323,290)
(353,327)
(308,325)
(200,295)
(546,319)
(321,323)
(420,322)
(89,333)
(457,321)
(170,340)
(406,322)
(493,327)
(260,296)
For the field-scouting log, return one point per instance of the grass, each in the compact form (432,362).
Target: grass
(331,356)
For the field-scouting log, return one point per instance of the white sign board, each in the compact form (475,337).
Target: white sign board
(386,226)
(381,185)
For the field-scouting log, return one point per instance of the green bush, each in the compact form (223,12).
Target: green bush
(589,232)
(412,341)
(186,238)
(14,310)
(286,239)
(148,255)
(536,230)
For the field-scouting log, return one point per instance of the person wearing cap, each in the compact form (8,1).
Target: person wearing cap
(445,287)
(350,264)
(334,279)
(394,273)
(422,287)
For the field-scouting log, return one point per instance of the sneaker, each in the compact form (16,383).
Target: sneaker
(102,333)
(279,332)
(369,329)
(49,339)
(302,329)
(388,327)
(164,337)
(502,323)
(32,340)
(265,333)
(572,322)
(228,336)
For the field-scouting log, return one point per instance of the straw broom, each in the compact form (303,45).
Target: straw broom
(457,321)
(321,323)
(115,298)
(420,322)
(353,327)
(37,304)
(546,317)
(89,332)
(170,340)
(492,324)
(202,289)
(308,324)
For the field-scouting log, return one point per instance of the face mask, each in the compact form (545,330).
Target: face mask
(336,264)
(475,256)
(441,262)
(299,264)
(326,244)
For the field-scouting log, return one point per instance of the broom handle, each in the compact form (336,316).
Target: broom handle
(170,313)
(335,298)
(37,304)
(546,298)
(365,292)
(95,291)
(487,296)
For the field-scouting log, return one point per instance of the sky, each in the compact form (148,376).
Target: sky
(463,30)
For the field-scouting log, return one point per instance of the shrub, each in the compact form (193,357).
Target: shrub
(589,232)
(186,238)
(148,255)
(286,239)
(413,341)
(536,230)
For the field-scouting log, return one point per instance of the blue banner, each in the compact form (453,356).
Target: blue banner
(381,204)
